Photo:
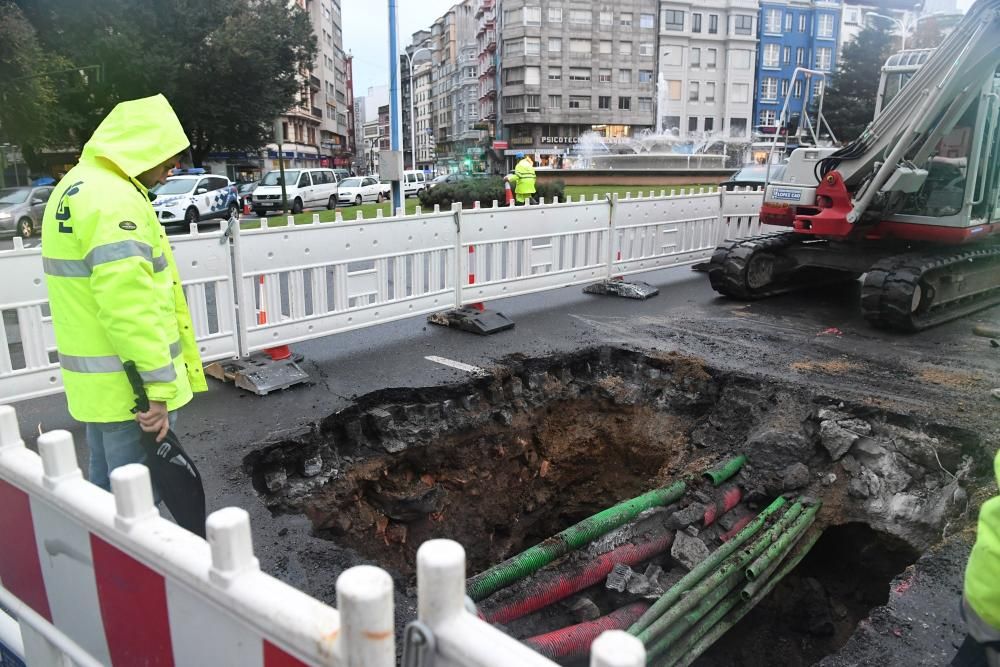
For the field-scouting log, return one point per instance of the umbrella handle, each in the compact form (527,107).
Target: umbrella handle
(134,379)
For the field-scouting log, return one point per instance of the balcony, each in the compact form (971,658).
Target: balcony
(314,83)
(490,40)
(317,112)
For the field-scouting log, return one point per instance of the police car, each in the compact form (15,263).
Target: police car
(190,196)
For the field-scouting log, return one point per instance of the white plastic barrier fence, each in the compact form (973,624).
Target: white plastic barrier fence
(282,285)
(124,586)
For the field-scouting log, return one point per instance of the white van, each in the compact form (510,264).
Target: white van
(414,182)
(305,188)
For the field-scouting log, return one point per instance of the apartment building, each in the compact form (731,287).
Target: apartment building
(569,69)
(793,34)
(707,62)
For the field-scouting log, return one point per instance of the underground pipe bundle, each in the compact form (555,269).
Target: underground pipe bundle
(674,626)
(725,470)
(794,519)
(550,587)
(728,613)
(703,568)
(574,641)
(577,535)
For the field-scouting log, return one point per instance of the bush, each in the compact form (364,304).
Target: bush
(482,190)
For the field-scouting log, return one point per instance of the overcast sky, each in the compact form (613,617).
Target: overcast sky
(366,34)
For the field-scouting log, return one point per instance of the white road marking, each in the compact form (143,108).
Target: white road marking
(468,368)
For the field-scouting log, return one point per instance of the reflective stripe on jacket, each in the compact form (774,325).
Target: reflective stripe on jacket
(114,289)
(982,574)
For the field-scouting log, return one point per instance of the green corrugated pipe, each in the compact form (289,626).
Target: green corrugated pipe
(723,472)
(720,620)
(777,551)
(704,567)
(750,588)
(736,563)
(530,560)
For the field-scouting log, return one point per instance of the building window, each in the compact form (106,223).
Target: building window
(532,16)
(672,19)
(695,22)
(513,75)
(513,47)
(555,14)
(800,56)
(786,55)
(555,73)
(605,47)
(604,102)
(713,24)
(740,59)
(709,123)
(625,20)
(852,16)
(512,17)
(772,21)
(692,123)
(771,55)
(579,102)
(624,76)
(646,49)
(737,127)
(579,74)
(645,104)
(532,76)
(695,57)
(674,90)
(604,76)
(513,104)
(817,89)
(647,21)
(579,46)
(532,46)
(694,91)
(645,76)
(555,44)
(670,123)
(824,58)
(742,24)
(533,102)
(768,117)
(580,16)
(710,58)
(789,16)
(824,25)
(797,89)
(607,19)
(710,91)
(769,89)
(624,48)
(784,88)
(555,101)
(803,22)
(624,103)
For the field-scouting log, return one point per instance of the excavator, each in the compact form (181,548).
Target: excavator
(912,204)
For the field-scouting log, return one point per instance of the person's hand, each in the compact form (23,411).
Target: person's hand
(155,420)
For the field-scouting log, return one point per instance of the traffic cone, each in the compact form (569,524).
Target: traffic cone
(508,193)
(246,207)
(472,274)
(281,351)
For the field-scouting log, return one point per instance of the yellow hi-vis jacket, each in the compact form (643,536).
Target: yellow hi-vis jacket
(523,179)
(982,574)
(114,289)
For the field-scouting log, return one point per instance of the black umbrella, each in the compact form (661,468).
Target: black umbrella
(173,472)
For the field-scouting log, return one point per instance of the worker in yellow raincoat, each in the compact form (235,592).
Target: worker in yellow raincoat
(523,179)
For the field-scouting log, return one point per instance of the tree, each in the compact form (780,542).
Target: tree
(849,104)
(228,67)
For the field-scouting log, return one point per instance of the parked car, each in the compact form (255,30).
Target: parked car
(447,178)
(358,189)
(414,182)
(341,174)
(752,175)
(21,210)
(191,195)
(305,188)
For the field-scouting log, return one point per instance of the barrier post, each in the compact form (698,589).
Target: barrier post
(617,648)
(616,285)
(364,599)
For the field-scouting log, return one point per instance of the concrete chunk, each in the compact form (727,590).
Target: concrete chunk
(836,439)
(795,476)
(691,514)
(618,578)
(688,551)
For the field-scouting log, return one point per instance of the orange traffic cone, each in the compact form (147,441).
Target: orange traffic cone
(246,207)
(281,351)
(508,193)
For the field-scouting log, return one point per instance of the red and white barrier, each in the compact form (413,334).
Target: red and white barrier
(128,587)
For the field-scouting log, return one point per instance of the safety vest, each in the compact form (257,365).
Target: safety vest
(525,174)
(114,290)
(982,574)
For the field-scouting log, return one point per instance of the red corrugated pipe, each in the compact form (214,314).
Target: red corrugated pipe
(723,502)
(574,641)
(737,527)
(548,588)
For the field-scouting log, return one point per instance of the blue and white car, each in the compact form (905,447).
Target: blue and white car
(191,196)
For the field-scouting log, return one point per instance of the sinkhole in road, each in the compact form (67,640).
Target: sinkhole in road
(501,462)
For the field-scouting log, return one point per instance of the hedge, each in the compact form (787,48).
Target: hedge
(482,190)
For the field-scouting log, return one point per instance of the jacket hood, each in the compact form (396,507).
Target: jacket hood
(138,135)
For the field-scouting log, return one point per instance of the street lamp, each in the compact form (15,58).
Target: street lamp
(413,120)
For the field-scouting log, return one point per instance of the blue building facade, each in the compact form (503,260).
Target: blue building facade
(792,33)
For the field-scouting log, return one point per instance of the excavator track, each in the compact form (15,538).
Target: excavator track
(745,269)
(915,291)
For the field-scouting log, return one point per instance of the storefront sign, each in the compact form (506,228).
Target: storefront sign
(500,145)
(560,140)
(521,141)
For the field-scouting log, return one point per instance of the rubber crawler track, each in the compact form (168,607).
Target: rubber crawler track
(727,270)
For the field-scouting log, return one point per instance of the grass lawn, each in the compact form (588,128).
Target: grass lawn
(349,213)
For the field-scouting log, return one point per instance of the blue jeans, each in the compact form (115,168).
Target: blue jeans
(114,444)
